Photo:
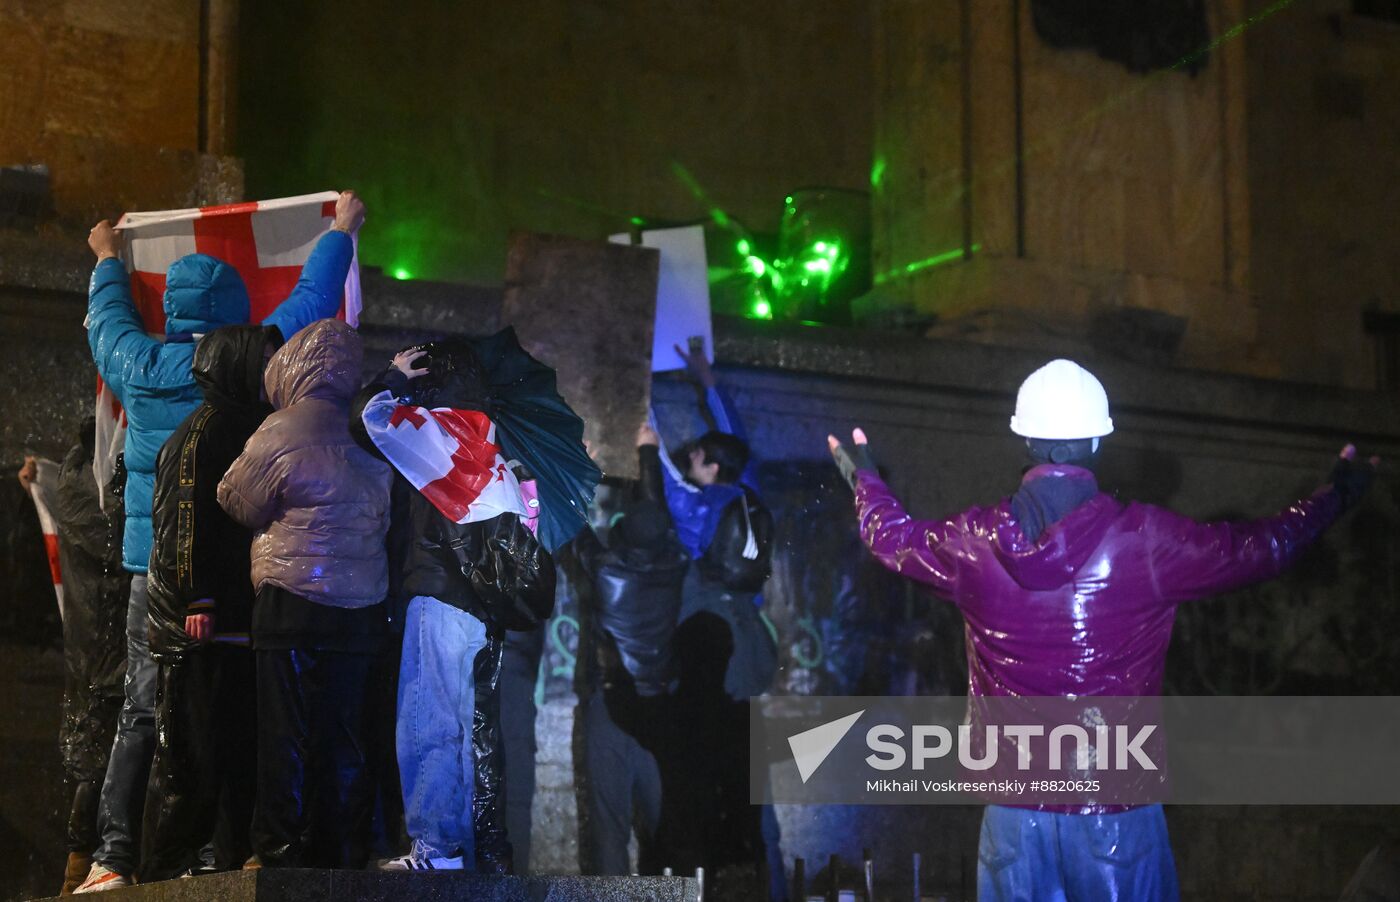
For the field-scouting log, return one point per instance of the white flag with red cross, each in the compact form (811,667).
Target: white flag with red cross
(267,241)
(451,456)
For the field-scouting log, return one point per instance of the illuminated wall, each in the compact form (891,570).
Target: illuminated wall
(126,104)
(461,121)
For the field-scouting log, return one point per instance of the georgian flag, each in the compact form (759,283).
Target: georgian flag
(44,491)
(450,456)
(267,241)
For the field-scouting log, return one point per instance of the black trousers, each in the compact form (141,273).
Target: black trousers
(202,779)
(315,795)
(520,667)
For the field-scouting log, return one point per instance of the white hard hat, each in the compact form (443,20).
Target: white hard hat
(1061,400)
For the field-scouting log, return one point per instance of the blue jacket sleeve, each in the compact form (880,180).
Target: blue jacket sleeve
(121,349)
(725,414)
(318,291)
(686,504)
(727,420)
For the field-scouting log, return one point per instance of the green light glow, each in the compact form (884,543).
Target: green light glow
(401,274)
(819,247)
(743,247)
(817,266)
(763,310)
(877,172)
(952,256)
(755,265)
(637,221)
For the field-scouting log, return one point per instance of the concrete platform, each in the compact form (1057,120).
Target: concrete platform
(379,886)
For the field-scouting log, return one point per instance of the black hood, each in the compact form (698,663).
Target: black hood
(228,367)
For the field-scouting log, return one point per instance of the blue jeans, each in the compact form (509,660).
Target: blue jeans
(1041,856)
(124,789)
(434,730)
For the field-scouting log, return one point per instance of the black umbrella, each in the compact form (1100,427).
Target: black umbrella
(535,427)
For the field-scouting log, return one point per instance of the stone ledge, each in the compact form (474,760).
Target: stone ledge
(310,885)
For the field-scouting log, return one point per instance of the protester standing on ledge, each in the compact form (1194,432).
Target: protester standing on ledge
(319,506)
(152,380)
(95,590)
(1068,592)
(201,611)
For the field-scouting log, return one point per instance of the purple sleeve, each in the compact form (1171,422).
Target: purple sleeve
(1193,560)
(909,547)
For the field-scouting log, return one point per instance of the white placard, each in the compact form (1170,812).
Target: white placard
(682,293)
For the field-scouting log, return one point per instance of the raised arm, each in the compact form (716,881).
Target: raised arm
(1192,560)
(720,406)
(121,349)
(910,547)
(318,292)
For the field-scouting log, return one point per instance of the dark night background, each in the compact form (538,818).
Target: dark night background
(1198,203)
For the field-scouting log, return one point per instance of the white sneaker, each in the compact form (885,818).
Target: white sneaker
(414,862)
(99,879)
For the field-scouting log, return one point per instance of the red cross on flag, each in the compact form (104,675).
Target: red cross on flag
(267,241)
(450,456)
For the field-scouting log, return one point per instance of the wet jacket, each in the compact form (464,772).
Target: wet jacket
(151,378)
(635,602)
(493,569)
(1087,608)
(318,502)
(95,594)
(200,557)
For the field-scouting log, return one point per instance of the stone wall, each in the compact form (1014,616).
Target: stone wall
(1323,113)
(564,117)
(115,99)
(1074,187)
(1247,205)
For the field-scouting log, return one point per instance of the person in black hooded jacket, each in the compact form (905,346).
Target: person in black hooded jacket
(630,600)
(201,601)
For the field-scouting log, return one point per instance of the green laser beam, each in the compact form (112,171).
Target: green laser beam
(908,269)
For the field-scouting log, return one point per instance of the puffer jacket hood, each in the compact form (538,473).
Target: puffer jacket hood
(228,367)
(321,361)
(203,293)
(317,501)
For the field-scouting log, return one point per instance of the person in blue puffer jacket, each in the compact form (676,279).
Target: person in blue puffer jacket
(153,381)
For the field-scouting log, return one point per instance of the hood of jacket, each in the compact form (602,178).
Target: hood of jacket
(1058,553)
(203,293)
(321,361)
(228,367)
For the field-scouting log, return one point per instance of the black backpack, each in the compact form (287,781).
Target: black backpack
(740,556)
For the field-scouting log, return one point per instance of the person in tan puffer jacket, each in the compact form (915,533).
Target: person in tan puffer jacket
(320,507)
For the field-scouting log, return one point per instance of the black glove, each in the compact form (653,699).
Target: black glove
(851,459)
(1351,478)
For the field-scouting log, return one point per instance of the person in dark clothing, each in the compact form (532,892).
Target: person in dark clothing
(319,506)
(200,615)
(729,532)
(469,569)
(95,589)
(628,610)
(520,669)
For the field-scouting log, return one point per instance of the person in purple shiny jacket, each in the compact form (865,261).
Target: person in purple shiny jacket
(1067,591)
